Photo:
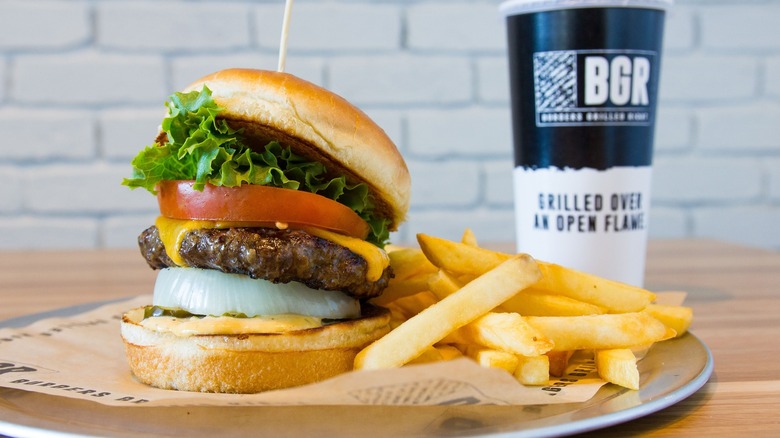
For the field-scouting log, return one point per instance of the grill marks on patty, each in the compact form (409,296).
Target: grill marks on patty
(276,255)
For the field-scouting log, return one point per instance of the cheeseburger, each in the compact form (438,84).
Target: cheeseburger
(276,198)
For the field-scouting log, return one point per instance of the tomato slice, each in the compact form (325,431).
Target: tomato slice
(255,205)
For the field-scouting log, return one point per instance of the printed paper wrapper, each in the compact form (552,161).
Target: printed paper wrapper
(82,356)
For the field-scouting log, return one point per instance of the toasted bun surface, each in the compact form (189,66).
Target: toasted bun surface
(316,124)
(247,363)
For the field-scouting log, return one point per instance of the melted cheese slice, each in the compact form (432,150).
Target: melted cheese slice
(223,325)
(173,231)
(376,258)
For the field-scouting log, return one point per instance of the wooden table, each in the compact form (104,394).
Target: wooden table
(734,291)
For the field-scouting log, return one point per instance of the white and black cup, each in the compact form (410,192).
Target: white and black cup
(584,81)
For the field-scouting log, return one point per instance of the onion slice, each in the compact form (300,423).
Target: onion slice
(211,292)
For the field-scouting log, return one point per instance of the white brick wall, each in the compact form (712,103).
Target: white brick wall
(772,75)
(2,80)
(148,26)
(21,24)
(740,28)
(82,86)
(452,22)
(695,78)
(714,180)
(121,131)
(437,133)
(402,79)
(773,168)
(69,135)
(87,78)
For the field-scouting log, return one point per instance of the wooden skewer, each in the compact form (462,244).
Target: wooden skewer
(285,30)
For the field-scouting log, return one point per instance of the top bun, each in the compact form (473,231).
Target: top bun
(316,124)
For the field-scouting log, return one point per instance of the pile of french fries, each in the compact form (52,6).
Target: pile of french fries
(452,299)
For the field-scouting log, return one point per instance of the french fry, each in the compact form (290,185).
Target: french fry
(397,316)
(459,258)
(450,299)
(392,247)
(533,370)
(508,332)
(532,302)
(600,332)
(443,284)
(398,289)
(677,318)
(414,304)
(559,360)
(409,262)
(426,328)
(466,278)
(469,238)
(618,366)
(493,358)
(428,355)
(448,352)
(614,296)
(411,270)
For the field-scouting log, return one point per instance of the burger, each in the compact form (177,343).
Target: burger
(276,199)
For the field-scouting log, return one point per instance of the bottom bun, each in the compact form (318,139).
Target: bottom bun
(247,363)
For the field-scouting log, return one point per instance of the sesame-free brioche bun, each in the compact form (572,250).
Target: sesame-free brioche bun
(316,124)
(247,363)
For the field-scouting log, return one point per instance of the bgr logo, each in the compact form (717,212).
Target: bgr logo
(594,87)
(617,80)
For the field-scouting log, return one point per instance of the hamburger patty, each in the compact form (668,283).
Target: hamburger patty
(280,256)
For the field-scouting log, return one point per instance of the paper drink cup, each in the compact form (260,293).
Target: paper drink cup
(584,84)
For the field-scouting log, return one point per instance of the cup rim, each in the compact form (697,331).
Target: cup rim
(515,7)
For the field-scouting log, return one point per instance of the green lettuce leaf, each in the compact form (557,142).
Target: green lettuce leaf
(205,149)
